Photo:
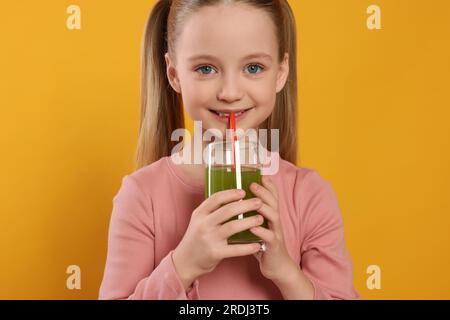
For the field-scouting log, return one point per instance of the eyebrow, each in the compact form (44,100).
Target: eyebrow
(250,56)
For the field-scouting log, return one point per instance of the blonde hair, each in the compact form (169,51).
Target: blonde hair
(161,106)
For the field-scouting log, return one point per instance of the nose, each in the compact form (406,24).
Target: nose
(230,89)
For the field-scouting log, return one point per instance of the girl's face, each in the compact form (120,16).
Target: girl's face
(227,60)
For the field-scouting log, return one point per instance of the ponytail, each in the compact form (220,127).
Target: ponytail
(161,106)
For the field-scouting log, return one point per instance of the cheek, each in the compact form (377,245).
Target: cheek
(196,97)
(264,95)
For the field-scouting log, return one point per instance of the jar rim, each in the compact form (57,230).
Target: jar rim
(228,142)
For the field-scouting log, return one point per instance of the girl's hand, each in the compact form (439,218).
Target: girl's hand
(275,254)
(205,243)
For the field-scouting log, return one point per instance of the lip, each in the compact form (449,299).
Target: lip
(225,119)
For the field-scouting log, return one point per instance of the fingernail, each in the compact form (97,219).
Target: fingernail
(255,186)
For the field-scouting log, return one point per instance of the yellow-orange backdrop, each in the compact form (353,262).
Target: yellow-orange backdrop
(374,113)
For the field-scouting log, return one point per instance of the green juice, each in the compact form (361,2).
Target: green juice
(223,177)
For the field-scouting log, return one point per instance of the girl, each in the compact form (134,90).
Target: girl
(166,241)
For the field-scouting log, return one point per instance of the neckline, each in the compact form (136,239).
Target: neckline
(195,184)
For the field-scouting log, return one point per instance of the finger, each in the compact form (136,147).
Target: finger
(238,225)
(270,214)
(217,199)
(239,250)
(270,185)
(264,194)
(230,210)
(267,235)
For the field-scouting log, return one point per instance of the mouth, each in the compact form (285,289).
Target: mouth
(225,114)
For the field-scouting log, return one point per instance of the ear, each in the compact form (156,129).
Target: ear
(172,73)
(283,72)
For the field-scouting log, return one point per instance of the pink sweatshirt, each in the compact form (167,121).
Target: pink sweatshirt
(151,213)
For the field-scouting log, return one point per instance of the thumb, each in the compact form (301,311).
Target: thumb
(257,256)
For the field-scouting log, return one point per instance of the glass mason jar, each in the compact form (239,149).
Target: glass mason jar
(222,175)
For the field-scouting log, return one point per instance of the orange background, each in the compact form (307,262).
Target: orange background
(374,121)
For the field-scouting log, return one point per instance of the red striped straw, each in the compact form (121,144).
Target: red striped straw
(232,121)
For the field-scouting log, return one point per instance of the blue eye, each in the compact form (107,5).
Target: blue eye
(257,66)
(203,67)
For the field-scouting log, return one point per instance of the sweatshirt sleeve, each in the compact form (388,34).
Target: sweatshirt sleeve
(324,256)
(130,271)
